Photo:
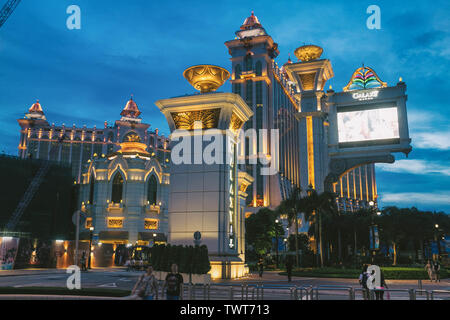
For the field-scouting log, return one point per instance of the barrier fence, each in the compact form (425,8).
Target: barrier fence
(255,291)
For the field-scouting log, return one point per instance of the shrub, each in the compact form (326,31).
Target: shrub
(188,258)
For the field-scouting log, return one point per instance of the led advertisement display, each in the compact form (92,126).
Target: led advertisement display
(367,125)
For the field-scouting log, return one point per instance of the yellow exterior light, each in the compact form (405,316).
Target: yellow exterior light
(206,78)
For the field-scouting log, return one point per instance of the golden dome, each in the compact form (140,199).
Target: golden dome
(206,78)
(133,148)
(308,52)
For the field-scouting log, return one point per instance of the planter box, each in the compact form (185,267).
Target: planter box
(196,278)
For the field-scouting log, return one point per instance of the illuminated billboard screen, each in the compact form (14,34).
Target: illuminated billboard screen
(368,125)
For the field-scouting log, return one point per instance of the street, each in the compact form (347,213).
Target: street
(275,286)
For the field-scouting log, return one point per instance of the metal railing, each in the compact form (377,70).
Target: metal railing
(259,291)
(439,292)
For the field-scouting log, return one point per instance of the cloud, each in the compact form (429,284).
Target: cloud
(431,140)
(432,198)
(425,131)
(415,167)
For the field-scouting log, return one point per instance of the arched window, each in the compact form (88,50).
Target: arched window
(237,71)
(91,189)
(152,190)
(248,63)
(117,188)
(258,68)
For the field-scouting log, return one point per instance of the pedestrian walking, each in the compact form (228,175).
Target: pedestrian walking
(379,292)
(289,265)
(83,261)
(437,268)
(429,267)
(261,267)
(174,284)
(363,282)
(146,288)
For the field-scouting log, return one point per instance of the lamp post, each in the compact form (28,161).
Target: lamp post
(276,240)
(372,228)
(91,230)
(317,231)
(438,241)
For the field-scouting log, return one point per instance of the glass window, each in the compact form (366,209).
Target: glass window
(91,189)
(248,64)
(237,71)
(117,188)
(152,189)
(258,68)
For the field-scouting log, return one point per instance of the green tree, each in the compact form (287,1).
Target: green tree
(292,207)
(260,229)
(321,206)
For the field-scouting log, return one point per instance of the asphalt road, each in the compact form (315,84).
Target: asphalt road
(275,286)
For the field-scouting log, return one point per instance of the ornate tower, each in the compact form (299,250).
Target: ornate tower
(252,53)
(310,75)
(205,187)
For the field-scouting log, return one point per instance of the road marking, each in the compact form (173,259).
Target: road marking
(28,285)
(108,285)
(124,279)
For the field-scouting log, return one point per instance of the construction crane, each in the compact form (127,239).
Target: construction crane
(32,188)
(7,10)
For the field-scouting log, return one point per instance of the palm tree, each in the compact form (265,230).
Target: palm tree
(292,206)
(322,204)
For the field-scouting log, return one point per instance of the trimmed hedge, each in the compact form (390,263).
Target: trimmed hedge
(390,273)
(189,259)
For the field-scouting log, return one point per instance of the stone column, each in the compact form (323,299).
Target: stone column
(203,196)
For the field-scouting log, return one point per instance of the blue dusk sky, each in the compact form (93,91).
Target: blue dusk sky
(141,47)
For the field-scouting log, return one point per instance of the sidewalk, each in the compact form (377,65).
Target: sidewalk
(274,277)
(46,271)
(53,297)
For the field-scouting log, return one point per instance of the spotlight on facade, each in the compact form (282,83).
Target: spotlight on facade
(371,203)
(379,213)
(436,226)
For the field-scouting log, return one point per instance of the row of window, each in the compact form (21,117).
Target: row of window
(117,189)
(118,222)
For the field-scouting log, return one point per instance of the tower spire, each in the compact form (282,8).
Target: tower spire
(131,109)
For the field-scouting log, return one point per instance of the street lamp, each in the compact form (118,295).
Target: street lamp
(437,240)
(91,230)
(276,240)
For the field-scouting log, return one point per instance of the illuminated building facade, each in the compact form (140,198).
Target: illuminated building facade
(80,144)
(327,140)
(292,99)
(123,172)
